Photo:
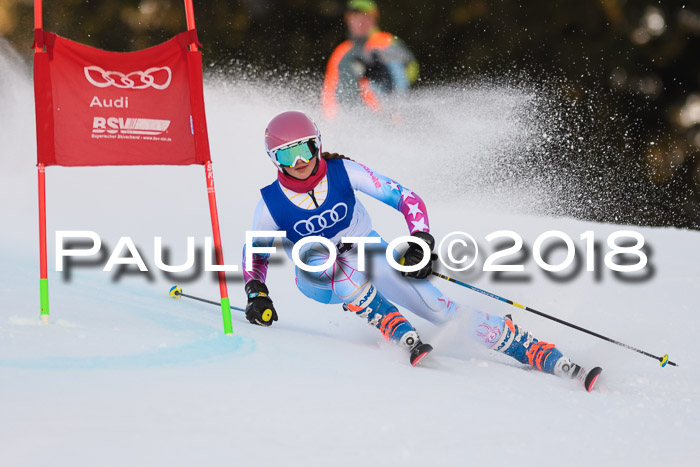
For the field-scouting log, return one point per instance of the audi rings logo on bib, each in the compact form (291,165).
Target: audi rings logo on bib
(155,77)
(318,223)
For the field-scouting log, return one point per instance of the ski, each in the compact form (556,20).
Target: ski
(591,378)
(587,378)
(419,352)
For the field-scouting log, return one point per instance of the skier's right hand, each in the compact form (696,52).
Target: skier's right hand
(259,309)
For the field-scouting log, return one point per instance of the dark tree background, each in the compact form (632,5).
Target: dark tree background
(641,57)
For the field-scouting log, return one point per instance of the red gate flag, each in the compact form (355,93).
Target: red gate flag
(95,107)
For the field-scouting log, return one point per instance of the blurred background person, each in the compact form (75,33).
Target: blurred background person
(367,66)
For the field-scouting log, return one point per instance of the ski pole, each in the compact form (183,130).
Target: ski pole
(176,293)
(662,360)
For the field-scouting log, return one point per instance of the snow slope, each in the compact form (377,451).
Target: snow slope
(125,375)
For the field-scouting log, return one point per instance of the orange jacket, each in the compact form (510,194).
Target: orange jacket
(358,68)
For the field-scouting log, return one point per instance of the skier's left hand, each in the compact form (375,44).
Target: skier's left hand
(415,255)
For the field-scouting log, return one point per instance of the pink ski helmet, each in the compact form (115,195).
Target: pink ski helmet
(292,136)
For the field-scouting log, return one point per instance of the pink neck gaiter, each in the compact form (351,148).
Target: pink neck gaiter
(303,186)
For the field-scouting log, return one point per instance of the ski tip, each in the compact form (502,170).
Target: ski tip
(175,292)
(592,378)
(419,353)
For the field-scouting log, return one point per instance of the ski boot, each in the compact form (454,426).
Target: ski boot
(382,314)
(542,356)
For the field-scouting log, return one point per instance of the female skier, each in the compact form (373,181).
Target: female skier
(314,195)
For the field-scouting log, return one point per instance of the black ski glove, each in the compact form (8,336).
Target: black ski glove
(259,309)
(414,255)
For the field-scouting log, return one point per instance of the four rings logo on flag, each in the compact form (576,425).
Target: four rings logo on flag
(156,77)
(318,223)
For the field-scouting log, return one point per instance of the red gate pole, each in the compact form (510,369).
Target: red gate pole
(38,21)
(43,268)
(189,13)
(44,280)
(209,173)
(225,303)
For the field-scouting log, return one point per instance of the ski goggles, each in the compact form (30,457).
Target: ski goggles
(304,151)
